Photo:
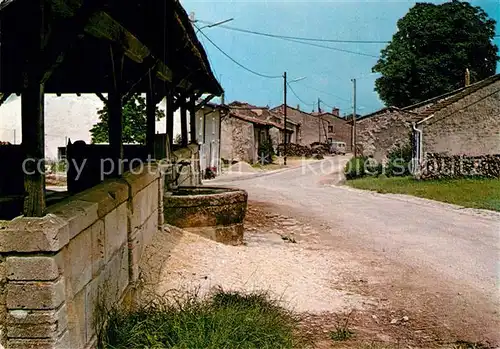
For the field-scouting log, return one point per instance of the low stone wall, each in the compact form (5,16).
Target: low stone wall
(56,270)
(441,166)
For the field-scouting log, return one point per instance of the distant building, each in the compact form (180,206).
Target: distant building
(318,127)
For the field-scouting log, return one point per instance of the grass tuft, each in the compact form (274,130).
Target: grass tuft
(225,320)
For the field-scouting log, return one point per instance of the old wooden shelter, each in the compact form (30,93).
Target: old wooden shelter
(107,47)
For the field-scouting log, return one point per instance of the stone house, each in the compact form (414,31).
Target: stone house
(384,130)
(465,123)
(318,127)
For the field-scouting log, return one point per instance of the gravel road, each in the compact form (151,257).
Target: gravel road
(423,247)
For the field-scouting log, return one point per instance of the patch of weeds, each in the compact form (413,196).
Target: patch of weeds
(342,331)
(469,345)
(288,239)
(223,320)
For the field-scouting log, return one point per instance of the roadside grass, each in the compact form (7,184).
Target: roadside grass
(225,320)
(474,193)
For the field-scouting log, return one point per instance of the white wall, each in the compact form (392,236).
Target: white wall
(66,117)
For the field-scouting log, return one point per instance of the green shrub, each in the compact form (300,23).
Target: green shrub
(226,320)
(361,167)
(266,152)
(399,161)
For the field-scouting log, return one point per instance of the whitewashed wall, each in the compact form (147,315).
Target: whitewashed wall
(66,117)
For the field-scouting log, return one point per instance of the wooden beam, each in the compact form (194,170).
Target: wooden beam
(184,130)
(102,98)
(63,37)
(170,117)
(115,123)
(192,119)
(4,97)
(32,115)
(150,115)
(204,102)
(148,66)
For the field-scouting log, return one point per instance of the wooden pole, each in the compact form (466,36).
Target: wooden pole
(184,131)
(284,112)
(170,118)
(192,118)
(115,125)
(32,110)
(150,117)
(355,150)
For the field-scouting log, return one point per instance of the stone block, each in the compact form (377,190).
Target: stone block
(31,317)
(143,205)
(98,247)
(138,243)
(138,181)
(77,320)
(78,262)
(46,234)
(79,214)
(34,268)
(107,289)
(116,229)
(36,294)
(108,195)
(60,343)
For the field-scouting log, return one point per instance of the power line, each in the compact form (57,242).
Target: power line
(327,93)
(235,61)
(300,99)
(332,48)
(291,39)
(298,37)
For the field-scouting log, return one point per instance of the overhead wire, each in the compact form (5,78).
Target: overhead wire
(297,96)
(277,36)
(235,61)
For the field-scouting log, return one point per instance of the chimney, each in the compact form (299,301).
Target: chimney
(298,106)
(336,111)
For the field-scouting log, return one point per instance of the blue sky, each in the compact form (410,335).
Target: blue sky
(325,70)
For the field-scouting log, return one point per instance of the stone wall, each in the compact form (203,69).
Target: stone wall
(470,126)
(380,134)
(237,140)
(55,270)
(441,166)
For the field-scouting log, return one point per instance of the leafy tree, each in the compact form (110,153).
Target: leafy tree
(432,49)
(134,122)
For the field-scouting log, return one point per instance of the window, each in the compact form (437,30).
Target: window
(330,128)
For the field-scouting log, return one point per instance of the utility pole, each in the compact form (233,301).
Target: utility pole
(319,120)
(354,118)
(284,113)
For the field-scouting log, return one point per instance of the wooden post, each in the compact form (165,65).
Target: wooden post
(184,131)
(34,147)
(151,117)
(170,118)
(115,124)
(192,118)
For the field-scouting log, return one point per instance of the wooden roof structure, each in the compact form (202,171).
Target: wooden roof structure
(118,47)
(75,52)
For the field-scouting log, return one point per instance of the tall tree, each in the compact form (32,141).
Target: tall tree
(134,122)
(432,49)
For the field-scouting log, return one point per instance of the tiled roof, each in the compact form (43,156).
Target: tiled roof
(462,93)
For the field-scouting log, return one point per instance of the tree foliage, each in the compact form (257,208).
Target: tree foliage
(432,49)
(134,122)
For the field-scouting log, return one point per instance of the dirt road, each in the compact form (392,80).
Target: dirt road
(437,262)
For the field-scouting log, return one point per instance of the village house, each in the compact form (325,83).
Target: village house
(318,127)
(466,123)
(462,122)
(247,127)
